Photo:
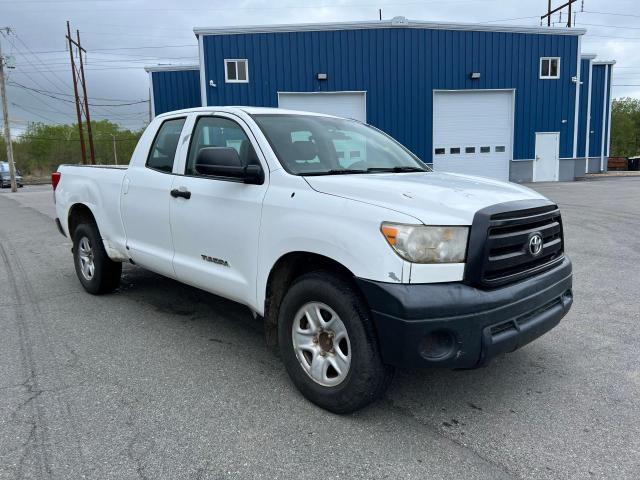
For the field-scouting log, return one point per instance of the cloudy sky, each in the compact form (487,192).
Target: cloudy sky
(122,36)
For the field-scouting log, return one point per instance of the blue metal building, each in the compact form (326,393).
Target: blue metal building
(500,101)
(174,87)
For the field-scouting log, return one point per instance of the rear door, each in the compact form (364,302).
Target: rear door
(216,229)
(146,199)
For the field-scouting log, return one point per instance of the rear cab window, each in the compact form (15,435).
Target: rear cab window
(163,150)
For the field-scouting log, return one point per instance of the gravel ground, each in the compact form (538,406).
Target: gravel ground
(160,380)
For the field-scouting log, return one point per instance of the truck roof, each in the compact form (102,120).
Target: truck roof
(245,109)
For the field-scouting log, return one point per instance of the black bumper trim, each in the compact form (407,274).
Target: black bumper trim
(482,323)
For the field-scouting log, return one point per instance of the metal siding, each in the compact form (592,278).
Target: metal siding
(174,90)
(597,95)
(582,109)
(399,68)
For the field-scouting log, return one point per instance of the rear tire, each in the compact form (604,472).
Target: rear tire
(97,273)
(331,355)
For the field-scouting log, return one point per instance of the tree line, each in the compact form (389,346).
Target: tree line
(41,148)
(625,127)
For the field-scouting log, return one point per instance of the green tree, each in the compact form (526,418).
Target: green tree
(42,148)
(625,127)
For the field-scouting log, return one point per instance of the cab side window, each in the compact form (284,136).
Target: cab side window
(219,132)
(163,150)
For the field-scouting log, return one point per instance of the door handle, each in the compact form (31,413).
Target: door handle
(186,194)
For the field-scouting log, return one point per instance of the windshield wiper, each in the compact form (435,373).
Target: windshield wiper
(336,171)
(403,169)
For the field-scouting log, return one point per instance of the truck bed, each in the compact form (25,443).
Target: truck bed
(99,188)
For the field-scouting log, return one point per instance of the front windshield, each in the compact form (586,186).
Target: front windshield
(315,145)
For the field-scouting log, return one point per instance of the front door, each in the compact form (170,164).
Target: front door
(146,201)
(546,166)
(216,229)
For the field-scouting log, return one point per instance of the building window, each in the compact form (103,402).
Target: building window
(549,68)
(440,151)
(236,71)
(454,150)
(470,150)
(500,149)
(485,149)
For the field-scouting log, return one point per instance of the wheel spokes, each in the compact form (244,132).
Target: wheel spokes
(303,339)
(339,362)
(85,255)
(321,344)
(319,365)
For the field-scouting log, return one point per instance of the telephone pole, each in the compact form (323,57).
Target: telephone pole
(82,105)
(5,118)
(551,12)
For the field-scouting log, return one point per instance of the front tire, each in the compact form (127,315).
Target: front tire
(97,273)
(328,344)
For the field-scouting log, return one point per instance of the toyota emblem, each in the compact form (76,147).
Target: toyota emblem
(535,244)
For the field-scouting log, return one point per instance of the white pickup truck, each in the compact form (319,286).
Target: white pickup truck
(357,256)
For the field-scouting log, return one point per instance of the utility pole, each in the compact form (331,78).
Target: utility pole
(75,91)
(550,12)
(82,106)
(86,99)
(5,118)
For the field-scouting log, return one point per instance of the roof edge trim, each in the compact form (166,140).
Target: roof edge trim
(170,68)
(397,22)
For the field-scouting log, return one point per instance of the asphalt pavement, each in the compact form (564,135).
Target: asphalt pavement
(161,380)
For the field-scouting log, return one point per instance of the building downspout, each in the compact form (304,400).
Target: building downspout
(203,76)
(609,117)
(152,103)
(604,116)
(576,113)
(588,134)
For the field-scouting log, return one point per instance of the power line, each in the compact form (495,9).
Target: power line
(123,48)
(614,14)
(37,114)
(132,102)
(64,83)
(54,139)
(613,36)
(608,26)
(45,93)
(125,61)
(262,8)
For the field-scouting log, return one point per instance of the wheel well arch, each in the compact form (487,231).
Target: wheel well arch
(79,213)
(283,273)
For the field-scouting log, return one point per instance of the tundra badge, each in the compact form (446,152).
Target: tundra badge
(219,261)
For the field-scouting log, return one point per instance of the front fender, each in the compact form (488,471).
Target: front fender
(344,230)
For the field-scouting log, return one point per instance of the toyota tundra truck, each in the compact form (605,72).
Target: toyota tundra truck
(356,255)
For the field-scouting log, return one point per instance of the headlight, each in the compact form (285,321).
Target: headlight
(426,244)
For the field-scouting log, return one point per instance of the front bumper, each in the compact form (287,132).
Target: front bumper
(454,325)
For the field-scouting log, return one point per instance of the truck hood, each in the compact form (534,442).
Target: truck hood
(433,198)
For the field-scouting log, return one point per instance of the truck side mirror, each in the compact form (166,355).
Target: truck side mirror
(225,162)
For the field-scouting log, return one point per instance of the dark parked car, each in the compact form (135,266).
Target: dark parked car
(5,179)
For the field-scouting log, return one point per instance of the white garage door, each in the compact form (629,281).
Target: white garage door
(341,104)
(472,132)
